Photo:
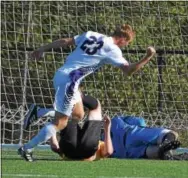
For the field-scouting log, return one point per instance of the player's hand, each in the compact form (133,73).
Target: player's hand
(150,51)
(37,54)
(107,122)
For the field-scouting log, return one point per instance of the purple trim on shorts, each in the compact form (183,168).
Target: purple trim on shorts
(75,75)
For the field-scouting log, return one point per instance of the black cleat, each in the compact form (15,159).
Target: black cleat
(26,155)
(165,147)
(30,116)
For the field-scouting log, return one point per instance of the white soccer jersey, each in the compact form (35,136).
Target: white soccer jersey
(92,51)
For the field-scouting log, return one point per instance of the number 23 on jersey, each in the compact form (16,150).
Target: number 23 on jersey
(91,45)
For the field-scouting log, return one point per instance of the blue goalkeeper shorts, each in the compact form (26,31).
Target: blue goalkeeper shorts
(131,141)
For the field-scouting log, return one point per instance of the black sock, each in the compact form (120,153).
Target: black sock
(89,102)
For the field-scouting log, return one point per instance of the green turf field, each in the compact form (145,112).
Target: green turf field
(48,165)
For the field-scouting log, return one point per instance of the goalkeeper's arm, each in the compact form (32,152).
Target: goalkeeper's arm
(108,146)
(134,67)
(64,42)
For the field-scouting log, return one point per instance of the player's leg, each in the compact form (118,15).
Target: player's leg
(44,134)
(167,134)
(35,112)
(73,107)
(68,136)
(139,138)
(54,144)
(162,151)
(45,112)
(64,102)
(89,135)
(68,139)
(152,152)
(31,114)
(89,102)
(74,139)
(167,140)
(78,111)
(147,135)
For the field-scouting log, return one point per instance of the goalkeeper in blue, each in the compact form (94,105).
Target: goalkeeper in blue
(92,51)
(130,136)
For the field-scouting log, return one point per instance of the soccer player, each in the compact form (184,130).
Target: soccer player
(93,50)
(132,139)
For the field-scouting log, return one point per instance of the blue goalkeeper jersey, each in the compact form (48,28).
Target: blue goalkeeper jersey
(131,141)
(119,129)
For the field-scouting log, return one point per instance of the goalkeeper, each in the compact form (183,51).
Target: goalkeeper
(93,50)
(132,139)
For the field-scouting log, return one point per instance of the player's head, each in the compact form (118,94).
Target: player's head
(123,35)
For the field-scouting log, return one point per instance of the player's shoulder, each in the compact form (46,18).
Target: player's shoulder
(114,49)
(93,33)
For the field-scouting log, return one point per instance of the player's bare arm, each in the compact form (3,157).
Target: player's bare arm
(64,42)
(134,67)
(108,147)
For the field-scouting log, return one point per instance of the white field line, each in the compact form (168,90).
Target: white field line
(29,175)
(55,176)
(122,177)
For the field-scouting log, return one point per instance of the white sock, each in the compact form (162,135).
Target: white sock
(44,134)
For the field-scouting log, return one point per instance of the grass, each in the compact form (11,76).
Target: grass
(49,165)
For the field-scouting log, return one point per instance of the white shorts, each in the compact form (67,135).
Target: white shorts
(66,93)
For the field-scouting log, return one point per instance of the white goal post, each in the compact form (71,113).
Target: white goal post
(158,93)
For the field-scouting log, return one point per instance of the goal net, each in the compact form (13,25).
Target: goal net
(158,93)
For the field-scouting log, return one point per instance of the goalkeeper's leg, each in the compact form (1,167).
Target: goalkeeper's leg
(167,141)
